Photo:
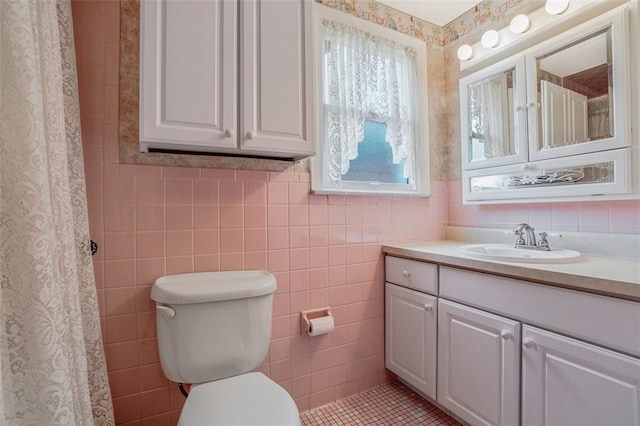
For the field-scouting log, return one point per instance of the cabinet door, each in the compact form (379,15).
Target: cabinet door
(276,86)
(188,75)
(598,173)
(568,382)
(478,365)
(591,59)
(410,337)
(493,115)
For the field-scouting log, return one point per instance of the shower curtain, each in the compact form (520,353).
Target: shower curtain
(52,366)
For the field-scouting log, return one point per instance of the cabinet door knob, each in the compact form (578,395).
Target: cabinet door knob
(405,273)
(519,108)
(428,307)
(250,135)
(228,133)
(505,334)
(531,104)
(528,342)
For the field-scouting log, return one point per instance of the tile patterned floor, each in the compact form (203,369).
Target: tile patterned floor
(392,404)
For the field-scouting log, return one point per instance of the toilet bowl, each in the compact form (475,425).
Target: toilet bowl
(247,399)
(214,329)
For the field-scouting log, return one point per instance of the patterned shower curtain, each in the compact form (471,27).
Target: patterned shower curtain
(52,366)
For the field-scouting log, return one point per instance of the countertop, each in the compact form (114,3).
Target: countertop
(615,277)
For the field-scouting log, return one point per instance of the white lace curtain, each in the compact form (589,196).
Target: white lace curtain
(52,366)
(367,77)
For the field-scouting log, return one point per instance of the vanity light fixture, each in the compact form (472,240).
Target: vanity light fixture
(465,52)
(490,38)
(556,7)
(520,24)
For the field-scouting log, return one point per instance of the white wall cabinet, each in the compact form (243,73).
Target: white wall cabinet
(478,365)
(565,99)
(227,76)
(410,340)
(568,382)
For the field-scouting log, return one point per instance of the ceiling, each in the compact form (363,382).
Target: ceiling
(439,12)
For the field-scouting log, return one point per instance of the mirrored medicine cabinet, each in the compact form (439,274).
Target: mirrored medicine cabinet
(552,121)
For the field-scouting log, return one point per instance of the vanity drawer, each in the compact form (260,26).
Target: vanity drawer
(417,275)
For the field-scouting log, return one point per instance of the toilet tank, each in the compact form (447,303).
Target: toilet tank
(213,325)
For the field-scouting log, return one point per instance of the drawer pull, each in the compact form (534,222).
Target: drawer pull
(505,334)
(428,306)
(405,273)
(528,343)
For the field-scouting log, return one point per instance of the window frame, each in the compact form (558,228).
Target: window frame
(320,182)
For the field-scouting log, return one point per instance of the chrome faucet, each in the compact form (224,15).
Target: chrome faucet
(531,235)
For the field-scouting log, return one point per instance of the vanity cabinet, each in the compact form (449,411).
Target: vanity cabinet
(503,351)
(227,76)
(552,121)
(411,322)
(478,364)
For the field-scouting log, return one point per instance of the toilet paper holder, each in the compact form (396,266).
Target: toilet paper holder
(306,316)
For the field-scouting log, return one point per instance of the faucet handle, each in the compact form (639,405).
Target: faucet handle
(544,244)
(520,241)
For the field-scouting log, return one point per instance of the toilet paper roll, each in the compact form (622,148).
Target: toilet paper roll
(322,325)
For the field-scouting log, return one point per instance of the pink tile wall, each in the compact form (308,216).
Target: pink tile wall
(150,221)
(592,216)
(324,250)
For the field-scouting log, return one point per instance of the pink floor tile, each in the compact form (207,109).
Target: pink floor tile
(392,404)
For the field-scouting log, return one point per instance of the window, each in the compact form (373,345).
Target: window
(372,132)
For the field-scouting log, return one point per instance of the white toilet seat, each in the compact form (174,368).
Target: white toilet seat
(247,399)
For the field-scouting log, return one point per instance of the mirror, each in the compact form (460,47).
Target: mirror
(491,117)
(576,97)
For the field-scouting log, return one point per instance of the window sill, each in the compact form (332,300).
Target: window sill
(363,192)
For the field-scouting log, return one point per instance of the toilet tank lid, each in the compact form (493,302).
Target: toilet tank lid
(205,287)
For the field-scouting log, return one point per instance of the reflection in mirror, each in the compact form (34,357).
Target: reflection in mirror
(576,96)
(591,173)
(491,117)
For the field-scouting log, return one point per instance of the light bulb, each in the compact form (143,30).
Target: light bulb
(556,7)
(520,24)
(490,38)
(465,52)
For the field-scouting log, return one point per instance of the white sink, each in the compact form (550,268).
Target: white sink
(508,253)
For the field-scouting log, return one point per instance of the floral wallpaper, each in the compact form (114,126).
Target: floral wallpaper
(485,13)
(388,17)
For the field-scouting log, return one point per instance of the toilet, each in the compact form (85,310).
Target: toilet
(214,329)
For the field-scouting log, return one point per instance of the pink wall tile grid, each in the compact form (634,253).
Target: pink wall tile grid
(335,262)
